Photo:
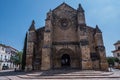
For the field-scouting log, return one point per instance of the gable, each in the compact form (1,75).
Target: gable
(64,8)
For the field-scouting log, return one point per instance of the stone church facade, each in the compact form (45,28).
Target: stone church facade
(65,42)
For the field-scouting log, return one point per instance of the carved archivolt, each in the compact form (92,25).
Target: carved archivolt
(63,51)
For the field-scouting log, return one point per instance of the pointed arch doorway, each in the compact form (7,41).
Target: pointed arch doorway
(65,60)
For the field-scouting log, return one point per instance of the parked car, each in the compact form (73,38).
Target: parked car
(5,67)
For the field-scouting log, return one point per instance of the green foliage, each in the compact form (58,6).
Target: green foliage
(117,60)
(17,59)
(112,60)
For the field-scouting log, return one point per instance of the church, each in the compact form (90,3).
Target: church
(66,41)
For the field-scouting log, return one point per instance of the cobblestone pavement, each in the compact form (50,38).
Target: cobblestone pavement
(60,75)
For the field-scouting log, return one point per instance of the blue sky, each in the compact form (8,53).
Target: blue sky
(16,17)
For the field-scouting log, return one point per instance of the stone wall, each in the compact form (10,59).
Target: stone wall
(66,33)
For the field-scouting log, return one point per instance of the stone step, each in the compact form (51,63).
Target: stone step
(68,75)
(72,74)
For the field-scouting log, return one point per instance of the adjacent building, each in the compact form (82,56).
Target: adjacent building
(5,56)
(116,52)
(66,41)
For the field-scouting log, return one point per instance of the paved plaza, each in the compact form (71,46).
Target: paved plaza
(60,75)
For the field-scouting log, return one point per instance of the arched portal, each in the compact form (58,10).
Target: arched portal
(65,60)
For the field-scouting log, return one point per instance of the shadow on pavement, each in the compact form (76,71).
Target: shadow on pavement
(58,71)
(12,73)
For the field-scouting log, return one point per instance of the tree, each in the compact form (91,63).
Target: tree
(24,53)
(117,60)
(17,58)
(111,60)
